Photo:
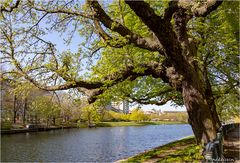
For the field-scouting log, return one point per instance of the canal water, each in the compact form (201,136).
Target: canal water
(106,144)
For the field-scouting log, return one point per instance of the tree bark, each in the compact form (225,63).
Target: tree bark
(200,117)
(198,98)
(198,101)
(196,89)
(210,97)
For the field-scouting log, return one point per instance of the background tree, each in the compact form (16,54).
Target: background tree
(228,107)
(6,101)
(138,115)
(140,42)
(45,110)
(90,115)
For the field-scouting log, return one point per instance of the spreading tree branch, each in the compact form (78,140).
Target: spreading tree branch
(152,97)
(207,8)
(60,11)
(145,43)
(11,8)
(168,13)
(160,26)
(153,102)
(147,15)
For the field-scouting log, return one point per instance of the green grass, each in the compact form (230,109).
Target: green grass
(82,125)
(117,124)
(184,150)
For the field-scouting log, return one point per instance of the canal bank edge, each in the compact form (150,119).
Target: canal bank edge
(25,130)
(122,124)
(100,124)
(183,150)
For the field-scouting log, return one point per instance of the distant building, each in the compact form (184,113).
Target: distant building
(121,106)
(153,111)
(125,107)
(173,112)
(148,112)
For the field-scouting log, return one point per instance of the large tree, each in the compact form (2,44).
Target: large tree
(151,42)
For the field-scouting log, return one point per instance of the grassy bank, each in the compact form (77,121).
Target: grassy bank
(6,126)
(118,124)
(184,150)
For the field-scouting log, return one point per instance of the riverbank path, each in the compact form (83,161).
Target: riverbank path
(231,145)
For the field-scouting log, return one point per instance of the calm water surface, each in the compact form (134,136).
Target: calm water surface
(88,145)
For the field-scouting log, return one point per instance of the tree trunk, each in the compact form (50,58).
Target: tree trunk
(200,117)
(210,98)
(54,121)
(36,119)
(201,110)
(89,118)
(198,99)
(196,90)
(24,111)
(14,109)
(47,121)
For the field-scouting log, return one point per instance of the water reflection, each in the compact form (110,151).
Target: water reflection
(95,144)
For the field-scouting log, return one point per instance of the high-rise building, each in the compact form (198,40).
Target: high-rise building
(120,106)
(125,107)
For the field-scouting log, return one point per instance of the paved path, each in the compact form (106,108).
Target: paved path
(232,145)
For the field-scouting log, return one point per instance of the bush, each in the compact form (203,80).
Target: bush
(6,125)
(138,115)
(81,124)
